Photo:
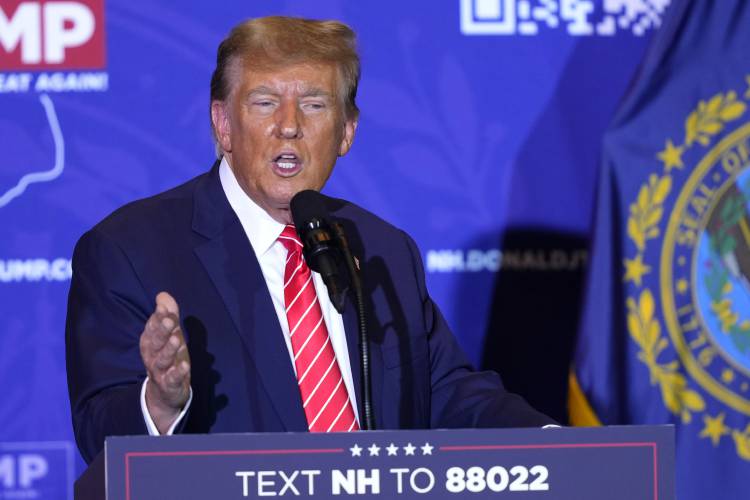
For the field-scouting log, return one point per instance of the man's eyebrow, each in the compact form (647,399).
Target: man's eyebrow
(315,92)
(311,92)
(262,90)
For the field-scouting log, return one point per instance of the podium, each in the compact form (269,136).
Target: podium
(617,463)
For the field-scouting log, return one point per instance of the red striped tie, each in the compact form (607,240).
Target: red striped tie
(324,396)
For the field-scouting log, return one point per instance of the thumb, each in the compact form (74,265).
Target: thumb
(167,302)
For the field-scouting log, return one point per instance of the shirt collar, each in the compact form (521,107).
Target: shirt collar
(262,230)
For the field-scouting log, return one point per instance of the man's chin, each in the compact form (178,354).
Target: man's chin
(284,216)
(279,207)
(279,210)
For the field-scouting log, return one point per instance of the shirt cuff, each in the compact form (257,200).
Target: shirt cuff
(150,425)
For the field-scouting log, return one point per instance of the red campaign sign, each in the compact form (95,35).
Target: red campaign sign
(52,35)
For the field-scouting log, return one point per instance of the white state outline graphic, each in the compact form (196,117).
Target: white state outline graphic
(48,175)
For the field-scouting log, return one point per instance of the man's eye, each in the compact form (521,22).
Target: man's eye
(263,104)
(314,106)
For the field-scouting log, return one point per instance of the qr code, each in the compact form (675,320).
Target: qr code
(576,17)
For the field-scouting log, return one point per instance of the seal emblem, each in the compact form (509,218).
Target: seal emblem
(690,319)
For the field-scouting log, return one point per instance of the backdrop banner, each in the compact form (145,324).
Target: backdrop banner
(479,135)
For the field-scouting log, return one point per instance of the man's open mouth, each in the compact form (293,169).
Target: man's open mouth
(287,161)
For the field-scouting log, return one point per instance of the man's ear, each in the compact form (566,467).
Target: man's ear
(350,127)
(222,128)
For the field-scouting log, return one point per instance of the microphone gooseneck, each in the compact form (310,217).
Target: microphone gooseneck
(368,420)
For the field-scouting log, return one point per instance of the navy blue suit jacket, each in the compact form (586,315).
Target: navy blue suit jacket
(190,243)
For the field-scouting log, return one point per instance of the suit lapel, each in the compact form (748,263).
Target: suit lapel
(231,263)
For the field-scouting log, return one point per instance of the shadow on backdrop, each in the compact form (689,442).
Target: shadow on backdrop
(537,296)
(534,316)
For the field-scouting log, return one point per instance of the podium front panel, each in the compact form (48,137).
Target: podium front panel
(617,463)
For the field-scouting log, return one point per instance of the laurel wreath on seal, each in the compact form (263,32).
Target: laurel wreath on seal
(645,215)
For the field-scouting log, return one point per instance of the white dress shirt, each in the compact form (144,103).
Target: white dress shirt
(263,233)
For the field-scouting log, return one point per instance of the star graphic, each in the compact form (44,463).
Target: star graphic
(635,269)
(671,156)
(682,286)
(356,450)
(427,449)
(409,449)
(392,450)
(714,428)
(374,450)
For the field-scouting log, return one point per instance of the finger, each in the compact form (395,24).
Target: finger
(167,356)
(173,353)
(177,332)
(170,327)
(154,337)
(169,323)
(163,299)
(176,377)
(182,354)
(150,341)
(158,329)
(154,324)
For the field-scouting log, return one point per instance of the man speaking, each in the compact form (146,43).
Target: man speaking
(195,311)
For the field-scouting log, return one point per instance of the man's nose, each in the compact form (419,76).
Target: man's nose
(288,124)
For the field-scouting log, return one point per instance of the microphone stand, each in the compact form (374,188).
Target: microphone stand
(368,422)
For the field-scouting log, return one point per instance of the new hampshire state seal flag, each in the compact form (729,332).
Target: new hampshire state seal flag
(665,332)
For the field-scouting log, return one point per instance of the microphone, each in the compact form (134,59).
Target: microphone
(321,252)
(325,247)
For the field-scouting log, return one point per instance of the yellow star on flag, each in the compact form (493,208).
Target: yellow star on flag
(671,156)
(635,269)
(714,428)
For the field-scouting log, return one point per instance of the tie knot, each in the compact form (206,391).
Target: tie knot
(290,240)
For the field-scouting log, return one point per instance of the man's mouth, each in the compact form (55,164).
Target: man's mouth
(287,163)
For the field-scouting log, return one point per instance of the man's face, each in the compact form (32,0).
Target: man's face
(281,131)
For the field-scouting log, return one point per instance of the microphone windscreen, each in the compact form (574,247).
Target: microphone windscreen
(306,206)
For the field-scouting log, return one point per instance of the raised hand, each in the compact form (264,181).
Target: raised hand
(165,356)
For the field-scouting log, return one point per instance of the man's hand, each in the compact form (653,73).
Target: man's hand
(167,362)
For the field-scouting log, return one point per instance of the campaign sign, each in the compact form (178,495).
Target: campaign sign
(32,469)
(49,34)
(616,463)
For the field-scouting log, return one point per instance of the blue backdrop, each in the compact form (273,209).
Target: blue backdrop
(481,120)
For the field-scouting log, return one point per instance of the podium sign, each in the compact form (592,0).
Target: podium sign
(617,463)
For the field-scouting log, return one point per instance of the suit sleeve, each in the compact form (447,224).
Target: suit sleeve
(107,309)
(462,397)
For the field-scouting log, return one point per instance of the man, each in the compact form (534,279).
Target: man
(226,346)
